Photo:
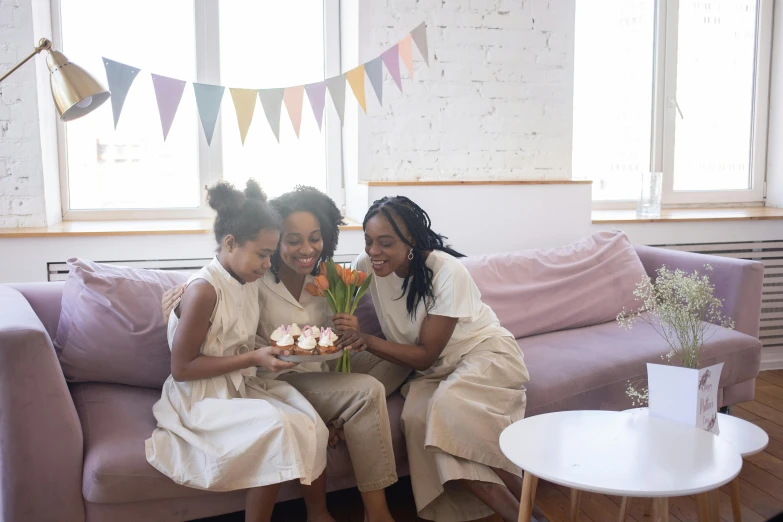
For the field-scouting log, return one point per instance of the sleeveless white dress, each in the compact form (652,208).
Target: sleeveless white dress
(235,431)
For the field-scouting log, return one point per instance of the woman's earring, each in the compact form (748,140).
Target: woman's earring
(410,255)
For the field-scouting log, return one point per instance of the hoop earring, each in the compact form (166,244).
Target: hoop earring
(410,255)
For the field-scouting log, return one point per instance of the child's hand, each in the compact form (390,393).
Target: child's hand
(170,299)
(344,322)
(265,356)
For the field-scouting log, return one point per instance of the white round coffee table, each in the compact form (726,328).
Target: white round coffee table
(618,453)
(747,438)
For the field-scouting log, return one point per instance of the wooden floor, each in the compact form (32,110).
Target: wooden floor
(761,482)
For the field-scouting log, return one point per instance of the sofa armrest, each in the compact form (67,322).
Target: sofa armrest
(737,281)
(41,450)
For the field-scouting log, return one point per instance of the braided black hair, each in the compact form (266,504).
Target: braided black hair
(241,213)
(419,277)
(312,200)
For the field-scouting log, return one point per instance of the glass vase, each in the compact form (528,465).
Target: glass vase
(649,204)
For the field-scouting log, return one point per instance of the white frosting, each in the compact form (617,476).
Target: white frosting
(285,340)
(306,340)
(279,333)
(328,337)
(314,329)
(295,330)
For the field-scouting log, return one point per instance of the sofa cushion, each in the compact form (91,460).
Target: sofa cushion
(537,291)
(117,419)
(589,368)
(111,327)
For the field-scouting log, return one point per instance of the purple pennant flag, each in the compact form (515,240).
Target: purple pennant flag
(391,58)
(120,77)
(168,92)
(374,71)
(316,93)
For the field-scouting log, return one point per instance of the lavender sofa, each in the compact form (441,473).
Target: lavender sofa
(74,451)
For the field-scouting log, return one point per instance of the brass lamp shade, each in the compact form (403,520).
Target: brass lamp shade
(74,90)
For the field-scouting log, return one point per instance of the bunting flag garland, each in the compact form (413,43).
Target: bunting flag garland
(169,91)
(119,77)
(208,98)
(293,104)
(272,100)
(391,58)
(374,70)
(245,105)
(316,93)
(355,79)
(336,88)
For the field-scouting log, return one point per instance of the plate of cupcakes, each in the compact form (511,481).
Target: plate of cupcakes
(308,344)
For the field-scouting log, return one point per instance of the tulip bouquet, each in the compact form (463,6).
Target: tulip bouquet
(343,288)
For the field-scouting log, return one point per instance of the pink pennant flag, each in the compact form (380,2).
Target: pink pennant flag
(406,52)
(391,58)
(316,93)
(293,103)
(168,92)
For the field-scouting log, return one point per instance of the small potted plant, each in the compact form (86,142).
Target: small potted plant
(682,308)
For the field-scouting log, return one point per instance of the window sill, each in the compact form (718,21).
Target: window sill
(676,215)
(146,227)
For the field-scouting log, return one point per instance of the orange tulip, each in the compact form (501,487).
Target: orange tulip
(349,277)
(360,277)
(313,290)
(322,282)
(322,268)
(339,269)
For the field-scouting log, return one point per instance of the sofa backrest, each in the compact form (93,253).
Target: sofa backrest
(45,300)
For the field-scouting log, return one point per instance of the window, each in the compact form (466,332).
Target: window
(672,86)
(131,172)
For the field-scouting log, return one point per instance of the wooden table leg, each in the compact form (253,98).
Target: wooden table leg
(735,500)
(648,502)
(533,489)
(526,502)
(714,506)
(576,495)
(625,506)
(660,509)
(703,500)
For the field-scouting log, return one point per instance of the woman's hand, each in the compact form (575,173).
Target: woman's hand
(266,357)
(351,340)
(344,322)
(169,301)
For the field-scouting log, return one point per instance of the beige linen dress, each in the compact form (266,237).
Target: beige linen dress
(455,410)
(234,431)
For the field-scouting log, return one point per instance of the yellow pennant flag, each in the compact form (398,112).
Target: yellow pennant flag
(406,53)
(355,79)
(245,105)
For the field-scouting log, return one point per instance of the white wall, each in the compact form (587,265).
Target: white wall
(27,126)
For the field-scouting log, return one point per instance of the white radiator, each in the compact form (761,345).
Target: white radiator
(771,254)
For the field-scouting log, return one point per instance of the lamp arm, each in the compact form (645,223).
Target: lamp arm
(43,45)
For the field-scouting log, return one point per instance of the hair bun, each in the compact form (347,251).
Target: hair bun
(253,191)
(225,199)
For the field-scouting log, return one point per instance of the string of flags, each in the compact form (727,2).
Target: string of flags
(169,91)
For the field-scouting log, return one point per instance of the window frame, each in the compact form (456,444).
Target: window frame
(664,113)
(207,34)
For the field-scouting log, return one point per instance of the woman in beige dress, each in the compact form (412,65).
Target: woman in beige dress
(352,405)
(470,372)
(221,427)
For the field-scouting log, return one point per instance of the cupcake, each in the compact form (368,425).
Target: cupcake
(306,343)
(295,331)
(326,344)
(282,337)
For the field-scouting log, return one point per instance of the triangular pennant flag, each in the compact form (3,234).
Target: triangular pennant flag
(406,53)
(120,77)
(419,35)
(374,70)
(272,101)
(355,79)
(245,105)
(336,88)
(293,104)
(208,98)
(391,58)
(316,93)
(168,92)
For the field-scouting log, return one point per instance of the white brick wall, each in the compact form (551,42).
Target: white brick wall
(495,103)
(21,168)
